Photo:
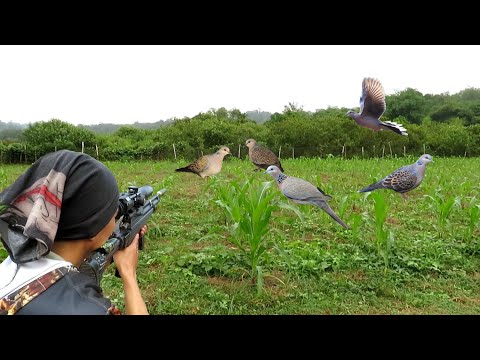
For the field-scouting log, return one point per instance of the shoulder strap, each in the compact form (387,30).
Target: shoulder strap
(14,301)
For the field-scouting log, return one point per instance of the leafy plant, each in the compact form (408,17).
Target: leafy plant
(443,206)
(384,238)
(249,207)
(474,217)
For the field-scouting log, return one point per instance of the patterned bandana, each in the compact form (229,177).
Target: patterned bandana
(64,195)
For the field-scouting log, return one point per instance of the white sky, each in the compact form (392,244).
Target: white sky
(83,84)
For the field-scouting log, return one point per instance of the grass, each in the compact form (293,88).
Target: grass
(191,266)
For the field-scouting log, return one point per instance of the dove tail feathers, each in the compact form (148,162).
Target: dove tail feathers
(186,169)
(371,187)
(395,127)
(325,207)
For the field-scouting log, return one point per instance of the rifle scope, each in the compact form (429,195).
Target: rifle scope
(134,198)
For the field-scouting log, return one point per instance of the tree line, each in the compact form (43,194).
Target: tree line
(442,125)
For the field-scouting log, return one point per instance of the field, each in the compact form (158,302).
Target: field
(414,256)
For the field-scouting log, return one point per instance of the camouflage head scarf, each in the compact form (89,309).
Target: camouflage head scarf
(64,195)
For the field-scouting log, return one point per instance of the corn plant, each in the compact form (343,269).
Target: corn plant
(249,207)
(342,206)
(384,238)
(474,217)
(443,207)
(355,225)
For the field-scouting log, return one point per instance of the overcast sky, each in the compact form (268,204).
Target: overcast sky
(83,84)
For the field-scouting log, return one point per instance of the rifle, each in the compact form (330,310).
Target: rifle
(134,210)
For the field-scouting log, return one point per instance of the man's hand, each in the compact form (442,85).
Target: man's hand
(126,260)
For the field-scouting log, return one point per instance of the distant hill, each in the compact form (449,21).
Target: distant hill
(111,128)
(12,131)
(258,116)
(101,128)
(11,126)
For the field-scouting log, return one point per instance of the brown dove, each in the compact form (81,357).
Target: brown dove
(302,192)
(207,165)
(261,156)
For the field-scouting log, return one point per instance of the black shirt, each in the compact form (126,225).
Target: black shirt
(73,294)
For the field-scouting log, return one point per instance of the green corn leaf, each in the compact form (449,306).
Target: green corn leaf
(259,280)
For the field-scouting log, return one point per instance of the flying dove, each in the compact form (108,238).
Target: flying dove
(404,179)
(302,192)
(372,107)
(261,156)
(207,165)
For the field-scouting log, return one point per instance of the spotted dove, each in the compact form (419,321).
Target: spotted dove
(404,179)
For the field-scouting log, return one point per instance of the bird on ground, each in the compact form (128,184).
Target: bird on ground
(261,156)
(372,107)
(303,192)
(207,165)
(404,179)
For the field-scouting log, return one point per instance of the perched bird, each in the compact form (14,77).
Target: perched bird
(303,192)
(404,179)
(207,165)
(372,107)
(261,156)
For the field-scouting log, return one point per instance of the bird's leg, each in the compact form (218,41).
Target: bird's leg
(404,196)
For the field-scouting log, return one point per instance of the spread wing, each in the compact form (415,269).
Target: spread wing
(372,101)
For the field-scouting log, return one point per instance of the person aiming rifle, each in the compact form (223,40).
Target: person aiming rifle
(56,215)
(134,210)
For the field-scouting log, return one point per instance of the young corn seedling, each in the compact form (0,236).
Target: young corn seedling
(474,218)
(355,220)
(342,206)
(443,207)
(384,238)
(249,207)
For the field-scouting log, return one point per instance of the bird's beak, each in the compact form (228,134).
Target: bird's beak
(347,112)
